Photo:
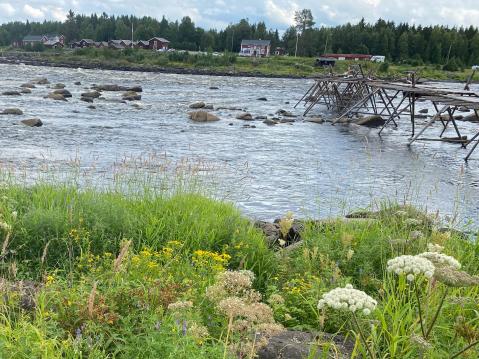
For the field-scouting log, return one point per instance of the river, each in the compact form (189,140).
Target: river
(313,170)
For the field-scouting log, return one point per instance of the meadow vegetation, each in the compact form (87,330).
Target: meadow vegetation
(230,63)
(88,273)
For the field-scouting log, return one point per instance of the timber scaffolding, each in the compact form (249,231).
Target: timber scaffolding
(357,95)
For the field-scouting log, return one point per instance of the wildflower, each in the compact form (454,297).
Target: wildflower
(198,331)
(411,266)
(401,213)
(276,299)
(413,222)
(232,307)
(350,254)
(180,306)
(440,259)
(416,235)
(453,277)
(349,299)
(420,342)
(433,247)
(5,226)
(14,215)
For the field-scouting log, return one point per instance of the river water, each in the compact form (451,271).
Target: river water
(314,170)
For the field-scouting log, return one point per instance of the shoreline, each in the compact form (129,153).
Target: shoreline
(153,69)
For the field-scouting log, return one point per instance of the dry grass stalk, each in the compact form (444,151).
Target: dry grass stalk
(5,244)
(121,256)
(91,300)
(44,254)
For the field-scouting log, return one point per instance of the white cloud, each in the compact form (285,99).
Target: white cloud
(7,8)
(33,12)
(275,13)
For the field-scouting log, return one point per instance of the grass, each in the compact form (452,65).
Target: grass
(99,274)
(230,64)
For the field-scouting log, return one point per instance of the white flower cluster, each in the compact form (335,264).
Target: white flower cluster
(441,259)
(433,247)
(411,266)
(349,299)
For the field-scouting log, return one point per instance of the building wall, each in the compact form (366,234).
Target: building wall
(249,50)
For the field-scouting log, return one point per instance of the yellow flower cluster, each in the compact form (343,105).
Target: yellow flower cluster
(212,260)
(297,286)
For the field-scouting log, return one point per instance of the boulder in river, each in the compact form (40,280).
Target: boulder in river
(471,118)
(91,94)
(270,122)
(56,96)
(208,107)
(262,99)
(117,88)
(135,89)
(86,99)
(41,81)
(424,110)
(203,116)
(58,86)
(214,88)
(12,111)
(11,93)
(28,85)
(131,96)
(315,120)
(245,116)
(91,107)
(370,121)
(199,104)
(77,83)
(65,93)
(32,122)
(285,113)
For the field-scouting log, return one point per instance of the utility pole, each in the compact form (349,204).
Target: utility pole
(232,37)
(132,33)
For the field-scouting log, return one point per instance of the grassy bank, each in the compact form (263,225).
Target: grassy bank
(230,64)
(88,274)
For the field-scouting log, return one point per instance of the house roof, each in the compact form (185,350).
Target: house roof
(52,42)
(88,41)
(159,39)
(256,42)
(33,38)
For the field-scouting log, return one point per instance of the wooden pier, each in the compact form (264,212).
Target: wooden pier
(358,95)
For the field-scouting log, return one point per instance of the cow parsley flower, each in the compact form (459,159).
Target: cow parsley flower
(411,266)
(349,299)
(433,247)
(440,259)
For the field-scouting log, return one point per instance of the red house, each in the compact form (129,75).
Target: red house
(255,48)
(47,40)
(158,43)
(351,57)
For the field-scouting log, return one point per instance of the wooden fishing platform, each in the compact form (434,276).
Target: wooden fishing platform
(356,95)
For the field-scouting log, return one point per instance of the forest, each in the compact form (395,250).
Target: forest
(400,43)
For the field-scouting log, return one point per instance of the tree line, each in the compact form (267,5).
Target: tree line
(398,42)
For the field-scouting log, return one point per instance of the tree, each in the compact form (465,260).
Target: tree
(303,19)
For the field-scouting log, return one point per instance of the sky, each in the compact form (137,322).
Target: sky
(277,14)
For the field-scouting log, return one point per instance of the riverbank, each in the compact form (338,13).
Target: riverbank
(223,65)
(101,274)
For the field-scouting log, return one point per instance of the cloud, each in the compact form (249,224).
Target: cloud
(33,12)
(7,8)
(277,14)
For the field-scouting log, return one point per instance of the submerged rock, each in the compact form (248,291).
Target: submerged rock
(203,116)
(32,122)
(28,85)
(77,83)
(56,97)
(270,122)
(262,99)
(40,81)
(87,99)
(11,93)
(214,88)
(117,88)
(58,86)
(92,94)
(25,90)
(315,120)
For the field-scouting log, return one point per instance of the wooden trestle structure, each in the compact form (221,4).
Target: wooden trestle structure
(357,95)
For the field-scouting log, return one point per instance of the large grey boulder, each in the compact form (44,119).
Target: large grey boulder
(203,116)
(25,90)
(199,104)
(28,85)
(12,111)
(58,86)
(370,121)
(131,96)
(56,97)
(245,116)
(302,345)
(33,122)
(65,93)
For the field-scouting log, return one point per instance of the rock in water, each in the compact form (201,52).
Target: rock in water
(25,90)
(245,116)
(270,122)
(12,111)
(199,104)
(77,83)
(33,122)
(28,85)
(87,99)
(56,97)
(41,81)
(203,116)
(58,86)
(131,96)
(424,110)
(92,94)
(315,120)
(262,99)
(11,93)
(63,92)
(214,88)
(371,121)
